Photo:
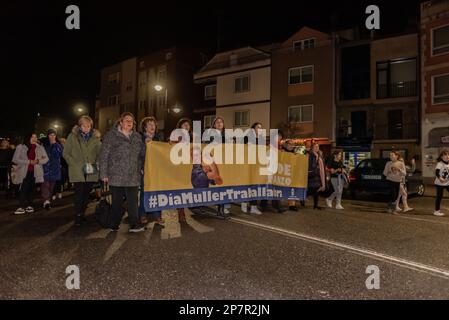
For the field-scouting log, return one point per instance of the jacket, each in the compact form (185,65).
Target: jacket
(121,159)
(20,159)
(52,169)
(395,171)
(77,152)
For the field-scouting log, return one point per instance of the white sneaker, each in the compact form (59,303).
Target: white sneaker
(29,210)
(226,211)
(244,207)
(59,195)
(329,203)
(438,213)
(19,211)
(53,198)
(339,207)
(255,210)
(46,203)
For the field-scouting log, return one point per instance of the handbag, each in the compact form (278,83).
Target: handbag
(88,168)
(103,210)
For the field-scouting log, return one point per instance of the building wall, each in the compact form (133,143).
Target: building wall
(259,87)
(259,112)
(320,93)
(107,116)
(433,14)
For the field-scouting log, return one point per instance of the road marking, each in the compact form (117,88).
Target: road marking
(358,250)
(197,226)
(172,227)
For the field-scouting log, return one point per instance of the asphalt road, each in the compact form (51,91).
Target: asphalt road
(297,255)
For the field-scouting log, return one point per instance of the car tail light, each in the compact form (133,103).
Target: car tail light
(352,177)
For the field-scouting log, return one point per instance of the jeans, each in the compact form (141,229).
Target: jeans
(47,190)
(440,190)
(394,193)
(337,183)
(27,190)
(118,196)
(82,191)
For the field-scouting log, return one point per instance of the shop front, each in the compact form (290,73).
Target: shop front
(354,150)
(438,140)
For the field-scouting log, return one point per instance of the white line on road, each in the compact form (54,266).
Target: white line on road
(361,251)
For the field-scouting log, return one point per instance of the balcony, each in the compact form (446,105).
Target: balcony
(397,90)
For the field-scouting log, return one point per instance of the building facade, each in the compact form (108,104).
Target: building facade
(435,82)
(158,84)
(378,98)
(241,81)
(302,86)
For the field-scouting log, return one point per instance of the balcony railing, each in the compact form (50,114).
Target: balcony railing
(397,90)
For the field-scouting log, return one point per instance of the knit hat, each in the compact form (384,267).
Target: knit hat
(51,131)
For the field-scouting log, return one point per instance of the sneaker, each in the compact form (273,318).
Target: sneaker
(244,207)
(255,210)
(226,211)
(29,209)
(339,207)
(59,195)
(53,198)
(329,203)
(113,229)
(47,205)
(438,213)
(19,211)
(136,229)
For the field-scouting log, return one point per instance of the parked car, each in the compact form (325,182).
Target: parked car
(368,177)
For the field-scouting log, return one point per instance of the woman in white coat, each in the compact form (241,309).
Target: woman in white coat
(28,160)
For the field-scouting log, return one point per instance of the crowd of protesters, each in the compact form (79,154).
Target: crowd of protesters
(117,161)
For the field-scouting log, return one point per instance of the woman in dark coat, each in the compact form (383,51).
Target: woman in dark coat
(316,175)
(52,169)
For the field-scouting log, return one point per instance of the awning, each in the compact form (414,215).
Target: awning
(439,137)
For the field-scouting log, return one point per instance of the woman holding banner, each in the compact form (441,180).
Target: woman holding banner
(121,167)
(185,125)
(148,127)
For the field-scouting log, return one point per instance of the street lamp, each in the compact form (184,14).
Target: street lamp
(80,109)
(159,88)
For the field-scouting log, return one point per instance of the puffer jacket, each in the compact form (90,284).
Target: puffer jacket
(121,158)
(52,169)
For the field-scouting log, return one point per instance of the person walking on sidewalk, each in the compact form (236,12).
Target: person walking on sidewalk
(316,175)
(29,158)
(395,172)
(337,171)
(403,196)
(81,152)
(121,168)
(52,169)
(441,180)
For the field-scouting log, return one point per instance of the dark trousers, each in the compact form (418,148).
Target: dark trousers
(118,196)
(440,190)
(26,191)
(315,194)
(394,193)
(82,191)
(47,190)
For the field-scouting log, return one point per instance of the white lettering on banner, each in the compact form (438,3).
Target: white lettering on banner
(372,22)
(72,21)
(230,195)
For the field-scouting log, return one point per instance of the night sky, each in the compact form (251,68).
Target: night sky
(47,68)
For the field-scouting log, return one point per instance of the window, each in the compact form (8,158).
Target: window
(113,101)
(241,118)
(129,86)
(300,75)
(242,84)
(207,121)
(440,40)
(397,79)
(395,124)
(210,92)
(440,89)
(114,78)
(304,44)
(300,114)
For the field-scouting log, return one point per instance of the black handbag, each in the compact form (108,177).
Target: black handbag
(103,210)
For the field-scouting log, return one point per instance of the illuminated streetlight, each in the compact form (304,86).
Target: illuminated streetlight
(158,87)
(177,109)
(80,109)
